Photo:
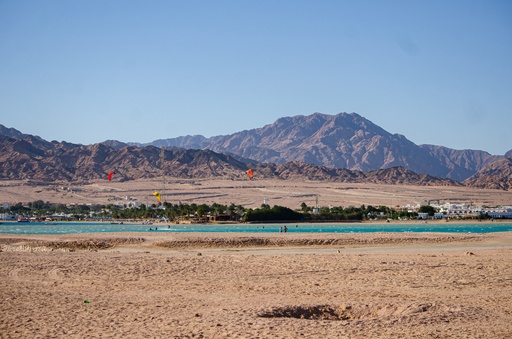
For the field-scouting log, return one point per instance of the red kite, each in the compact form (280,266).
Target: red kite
(250,173)
(110,176)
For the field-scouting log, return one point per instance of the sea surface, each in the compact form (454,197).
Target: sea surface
(96,227)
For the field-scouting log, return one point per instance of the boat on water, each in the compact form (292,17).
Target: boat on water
(23,219)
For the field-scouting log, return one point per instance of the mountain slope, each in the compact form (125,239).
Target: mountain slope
(459,164)
(497,175)
(19,159)
(339,141)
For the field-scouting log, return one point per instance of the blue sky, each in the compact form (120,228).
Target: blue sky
(438,72)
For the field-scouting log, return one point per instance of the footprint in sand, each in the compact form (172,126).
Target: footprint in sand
(14,274)
(54,273)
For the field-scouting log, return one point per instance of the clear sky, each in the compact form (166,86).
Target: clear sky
(438,72)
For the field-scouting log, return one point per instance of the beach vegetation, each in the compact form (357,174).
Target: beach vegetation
(483,216)
(214,212)
(427,209)
(276,213)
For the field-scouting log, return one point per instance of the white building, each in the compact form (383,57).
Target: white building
(499,213)
(129,204)
(459,211)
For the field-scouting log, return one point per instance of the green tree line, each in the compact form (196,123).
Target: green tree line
(201,212)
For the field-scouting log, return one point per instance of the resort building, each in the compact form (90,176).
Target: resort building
(499,213)
(458,211)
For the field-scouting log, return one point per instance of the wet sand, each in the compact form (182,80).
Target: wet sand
(256,285)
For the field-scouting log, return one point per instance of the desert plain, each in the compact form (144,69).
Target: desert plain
(248,193)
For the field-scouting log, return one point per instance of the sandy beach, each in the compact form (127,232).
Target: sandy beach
(256,285)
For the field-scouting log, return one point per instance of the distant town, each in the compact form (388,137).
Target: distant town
(39,211)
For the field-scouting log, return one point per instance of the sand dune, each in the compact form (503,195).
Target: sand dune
(211,286)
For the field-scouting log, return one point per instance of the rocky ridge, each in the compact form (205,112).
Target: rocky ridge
(20,159)
(338,141)
(344,147)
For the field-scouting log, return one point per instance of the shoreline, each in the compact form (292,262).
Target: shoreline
(334,222)
(183,241)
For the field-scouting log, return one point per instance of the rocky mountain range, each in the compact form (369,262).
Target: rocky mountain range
(338,141)
(343,148)
(31,158)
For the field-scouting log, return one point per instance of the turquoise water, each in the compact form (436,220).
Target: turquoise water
(84,227)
